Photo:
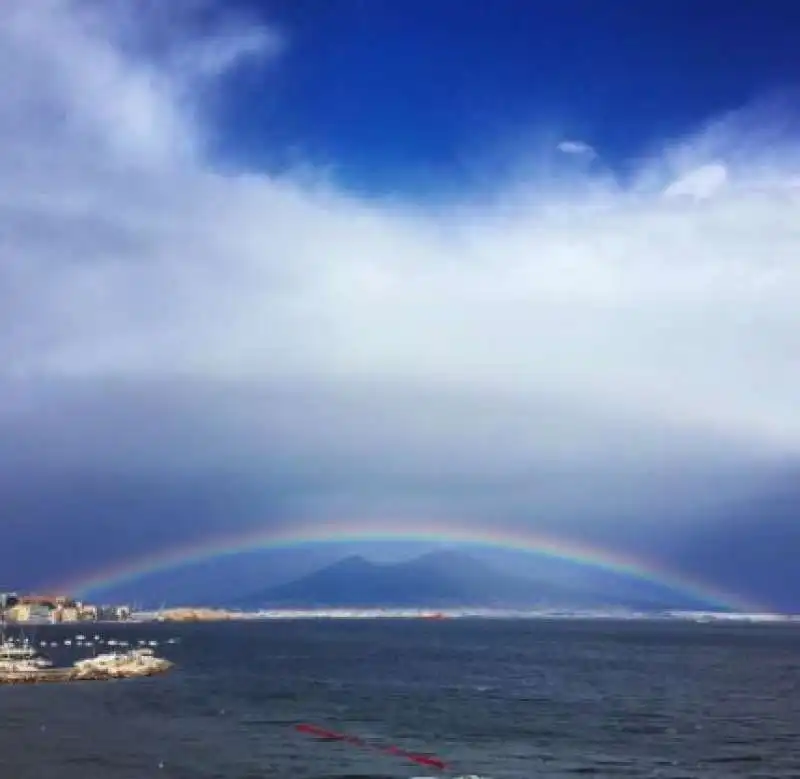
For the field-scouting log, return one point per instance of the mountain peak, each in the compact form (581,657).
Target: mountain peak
(440,578)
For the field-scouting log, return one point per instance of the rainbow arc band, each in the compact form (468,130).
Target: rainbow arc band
(318,532)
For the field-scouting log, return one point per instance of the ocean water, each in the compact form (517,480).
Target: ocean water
(502,699)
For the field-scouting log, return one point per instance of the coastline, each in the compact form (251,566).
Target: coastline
(203,614)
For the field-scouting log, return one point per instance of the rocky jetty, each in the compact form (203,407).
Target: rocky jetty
(116,665)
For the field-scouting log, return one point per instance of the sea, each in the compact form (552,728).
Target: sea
(495,698)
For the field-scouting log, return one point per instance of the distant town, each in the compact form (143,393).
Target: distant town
(56,609)
(51,609)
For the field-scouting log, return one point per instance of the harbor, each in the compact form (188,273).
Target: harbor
(22,663)
(124,666)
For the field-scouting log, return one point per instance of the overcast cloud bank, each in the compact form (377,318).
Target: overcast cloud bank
(567,354)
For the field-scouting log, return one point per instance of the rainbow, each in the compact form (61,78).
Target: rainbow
(317,532)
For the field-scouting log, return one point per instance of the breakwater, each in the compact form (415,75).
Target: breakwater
(102,668)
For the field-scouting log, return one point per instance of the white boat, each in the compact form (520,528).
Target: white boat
(17,657)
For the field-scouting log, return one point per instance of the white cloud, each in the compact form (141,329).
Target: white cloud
(598,326)
(700,184)
(577,147)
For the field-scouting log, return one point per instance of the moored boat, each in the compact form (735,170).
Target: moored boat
(20,657)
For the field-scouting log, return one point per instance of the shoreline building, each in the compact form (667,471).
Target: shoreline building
(56,609)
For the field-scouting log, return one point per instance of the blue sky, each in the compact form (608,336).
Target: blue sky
(399,96)
(480,262)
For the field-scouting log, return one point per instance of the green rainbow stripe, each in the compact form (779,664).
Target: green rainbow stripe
(355,532)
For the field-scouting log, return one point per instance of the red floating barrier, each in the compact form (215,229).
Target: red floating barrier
(332,735)
(315,730)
